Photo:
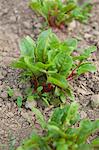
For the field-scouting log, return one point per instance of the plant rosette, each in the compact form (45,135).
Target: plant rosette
(61,131)
(50,64)
(58,13)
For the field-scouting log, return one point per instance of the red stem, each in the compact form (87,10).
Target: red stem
(72,74)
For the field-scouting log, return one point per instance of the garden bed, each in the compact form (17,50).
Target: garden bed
(16,21)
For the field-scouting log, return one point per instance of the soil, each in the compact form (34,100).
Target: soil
(16,21)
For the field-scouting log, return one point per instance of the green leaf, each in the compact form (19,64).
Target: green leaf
(57,116)
(87,127)
(46,102)
(42,46)
(61,144)
(10,92)
(36,142)
(70,94)
(38,6)
(72,113)
(29,62)
(39,89)
(51,55)
(19,101)
(69,7)
(40,117)
(63,97)
(58,80)
(20,64)
(84,146)
(55,130)
(55,42)
(86,54)
(57,91)
(27,47)
(35,5)
(90,50)
(42,66)
(70,45)
(86,67)
(30,97)
(33,142)
(63,63)
(95,143)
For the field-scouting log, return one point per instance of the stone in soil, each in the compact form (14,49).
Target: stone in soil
(30,104)
(95,101)
(4,95)
(83,114)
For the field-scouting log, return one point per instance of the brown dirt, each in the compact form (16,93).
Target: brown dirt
(16,21)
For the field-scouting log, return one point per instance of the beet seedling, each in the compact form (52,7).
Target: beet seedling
(51,63)
(61,131)
(10,92)
(58,13)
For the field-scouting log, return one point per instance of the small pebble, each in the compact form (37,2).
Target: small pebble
(95,101)
(27,25)
(30,104)
(4,95)
(1,76)
(83,114)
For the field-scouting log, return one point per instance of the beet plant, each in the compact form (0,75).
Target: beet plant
(50,64)
(58,13)
(63,131)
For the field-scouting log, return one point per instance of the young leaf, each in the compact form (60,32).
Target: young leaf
(19,101)
(27,46)
(63,97)
(51,55)
(63,63)
(87,127)
(30,97)
(29,62)
(20,64)
(40,117)
(39,89)
(61,144)
(72,113)
(55,42)
(57,116)
(84,146)
(86,67)
(86,54)
(70,94)
(38,7)
(70,6)
(95,143)
(55,130)
(70,45)
(58,80)
(10,92)
(42,46)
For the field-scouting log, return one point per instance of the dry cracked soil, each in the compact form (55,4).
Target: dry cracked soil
(16,21)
